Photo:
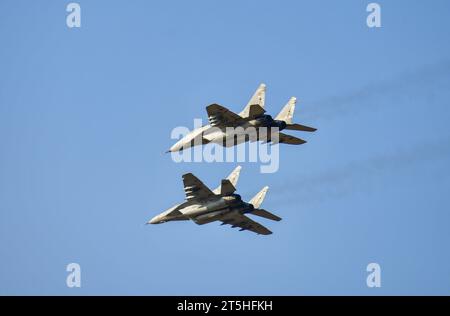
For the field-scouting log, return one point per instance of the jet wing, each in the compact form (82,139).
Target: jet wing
(195,189)
(288,139)
(245,223)
(222,117)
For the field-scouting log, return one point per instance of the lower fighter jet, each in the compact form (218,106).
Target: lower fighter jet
(252,124)
(205,206)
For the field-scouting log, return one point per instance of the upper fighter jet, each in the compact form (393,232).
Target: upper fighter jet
(253,115)
(205,206)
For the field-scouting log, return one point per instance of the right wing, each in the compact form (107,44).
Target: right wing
(245,223)
(221,117)
(195,189)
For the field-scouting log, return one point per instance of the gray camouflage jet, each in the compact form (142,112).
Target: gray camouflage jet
(205,206)
(253,115)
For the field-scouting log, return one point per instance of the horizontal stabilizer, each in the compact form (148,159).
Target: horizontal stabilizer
(258,98)
(299,127)
(288,139)
(255,111)
(233,177)
(266,214)
(226,188)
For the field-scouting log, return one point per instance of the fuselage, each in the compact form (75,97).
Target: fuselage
(250,130)
(205,211)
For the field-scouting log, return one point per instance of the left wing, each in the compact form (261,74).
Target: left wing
(194,188)
(245,223)
(220,116)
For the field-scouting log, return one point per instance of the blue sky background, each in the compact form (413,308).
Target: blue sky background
(86,115)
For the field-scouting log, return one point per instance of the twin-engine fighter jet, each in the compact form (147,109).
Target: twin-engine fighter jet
(252,118)
(205,206)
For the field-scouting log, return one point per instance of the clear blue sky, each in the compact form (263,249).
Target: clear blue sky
(86,115)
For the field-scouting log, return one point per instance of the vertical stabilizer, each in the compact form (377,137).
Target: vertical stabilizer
(287,112)
(259,197)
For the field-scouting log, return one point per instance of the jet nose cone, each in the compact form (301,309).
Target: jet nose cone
(177,147)
(182,144)
(154,220)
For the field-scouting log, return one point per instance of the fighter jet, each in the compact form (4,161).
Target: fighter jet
(253,115)
(222,204)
